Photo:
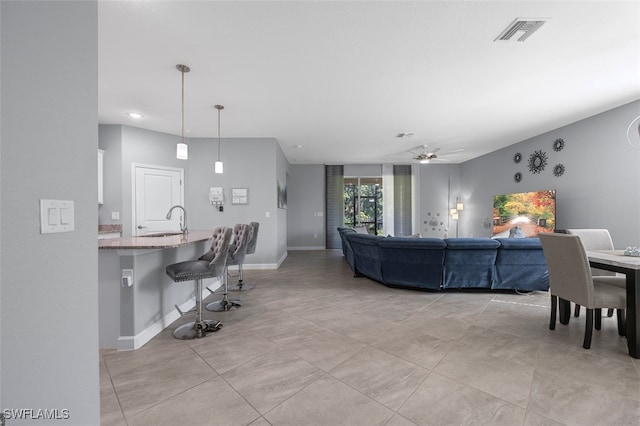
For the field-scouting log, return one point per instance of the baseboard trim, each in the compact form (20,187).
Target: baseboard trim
(294,248)
(256,266)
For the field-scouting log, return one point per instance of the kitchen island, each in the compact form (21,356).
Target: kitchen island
(134,310)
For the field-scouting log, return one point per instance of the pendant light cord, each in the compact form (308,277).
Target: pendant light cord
(219,108)
(182,106)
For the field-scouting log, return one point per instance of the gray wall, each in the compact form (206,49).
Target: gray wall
(282,175)
(363,170)
(253,163)
(305,226)
(599,188)
(248,163)
(435,199)
(49,309)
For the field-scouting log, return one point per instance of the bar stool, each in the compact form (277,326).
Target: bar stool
(251,248)
(237,251)
(210,265)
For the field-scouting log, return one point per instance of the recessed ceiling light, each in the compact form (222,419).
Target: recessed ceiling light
(135,115)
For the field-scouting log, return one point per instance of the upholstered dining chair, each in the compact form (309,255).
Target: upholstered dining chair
(237,252)
(210,265)
(595,239)
(251,248)
(570,279)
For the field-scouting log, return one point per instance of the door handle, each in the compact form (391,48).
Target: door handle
(140,226)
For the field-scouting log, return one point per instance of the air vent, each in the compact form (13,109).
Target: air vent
(404,135)
(521,29)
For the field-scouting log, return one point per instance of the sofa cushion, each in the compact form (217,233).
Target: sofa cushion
(412,262)
(469,262)
(472,243)
(520,265)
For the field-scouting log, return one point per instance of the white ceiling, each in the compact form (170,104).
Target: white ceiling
(342,79)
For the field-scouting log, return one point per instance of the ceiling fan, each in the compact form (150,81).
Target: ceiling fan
(427,156)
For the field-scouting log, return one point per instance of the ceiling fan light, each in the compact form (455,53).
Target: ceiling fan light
(425,161)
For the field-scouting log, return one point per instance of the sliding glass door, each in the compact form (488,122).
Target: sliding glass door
(363,203)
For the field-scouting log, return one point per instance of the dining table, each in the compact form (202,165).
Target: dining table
(617,261)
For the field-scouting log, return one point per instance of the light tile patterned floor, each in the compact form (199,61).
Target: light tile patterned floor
(312,345)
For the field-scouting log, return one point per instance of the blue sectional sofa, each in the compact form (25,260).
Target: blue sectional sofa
(450,263)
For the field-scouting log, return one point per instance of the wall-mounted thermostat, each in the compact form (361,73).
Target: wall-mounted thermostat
(216,197)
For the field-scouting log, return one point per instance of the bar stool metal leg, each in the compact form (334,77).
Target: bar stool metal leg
(224,304)
(251,248)
(241,286)
(199,327)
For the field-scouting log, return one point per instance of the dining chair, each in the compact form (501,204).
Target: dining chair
(570,279)
(595,239)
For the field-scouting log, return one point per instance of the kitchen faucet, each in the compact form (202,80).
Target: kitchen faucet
(183,228)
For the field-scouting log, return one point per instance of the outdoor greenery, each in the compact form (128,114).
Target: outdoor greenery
(363,205)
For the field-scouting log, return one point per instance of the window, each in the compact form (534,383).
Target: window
(363,203)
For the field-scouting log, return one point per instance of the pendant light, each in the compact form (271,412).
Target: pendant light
(182,149)
(218,167)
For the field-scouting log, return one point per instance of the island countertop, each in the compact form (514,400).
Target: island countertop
(149,242)
(132,311)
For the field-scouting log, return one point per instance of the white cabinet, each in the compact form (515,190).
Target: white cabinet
(100,176)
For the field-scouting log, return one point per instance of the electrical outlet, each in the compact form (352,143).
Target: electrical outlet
(126,280)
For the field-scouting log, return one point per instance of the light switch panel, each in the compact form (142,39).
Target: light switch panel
(56,216)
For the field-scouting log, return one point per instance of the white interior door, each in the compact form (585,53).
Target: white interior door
(155,190)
